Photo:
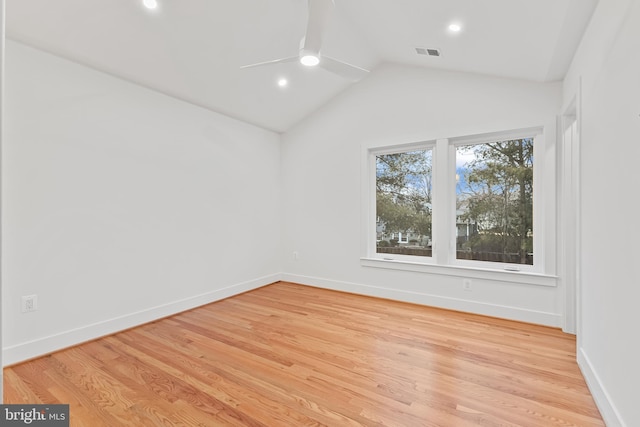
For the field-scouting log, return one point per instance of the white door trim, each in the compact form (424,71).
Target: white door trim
(569,215)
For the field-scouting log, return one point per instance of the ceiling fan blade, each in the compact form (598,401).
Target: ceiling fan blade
(319,11)
(273,61)
(343,69)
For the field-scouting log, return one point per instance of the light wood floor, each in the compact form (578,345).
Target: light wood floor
(290,355)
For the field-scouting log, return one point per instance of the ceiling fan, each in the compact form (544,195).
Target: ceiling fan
(309,54)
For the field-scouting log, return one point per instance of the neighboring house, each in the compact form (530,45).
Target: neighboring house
(465,228)
(404,237)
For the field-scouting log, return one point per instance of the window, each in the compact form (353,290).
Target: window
(403,202)
(494,201)
(468,202)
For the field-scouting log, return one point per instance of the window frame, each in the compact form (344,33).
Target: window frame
(443,259)
(372,152)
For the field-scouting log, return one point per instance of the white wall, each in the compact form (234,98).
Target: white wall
(608,64)
(322,181)
(1,133)
(122,205)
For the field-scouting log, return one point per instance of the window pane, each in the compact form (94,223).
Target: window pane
(494,201)
(403,203)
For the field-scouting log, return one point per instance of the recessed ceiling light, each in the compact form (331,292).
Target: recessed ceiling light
(283,82)
(150,4)
(455,28)
(310,60)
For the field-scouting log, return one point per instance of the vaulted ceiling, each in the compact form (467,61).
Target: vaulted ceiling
(193,49)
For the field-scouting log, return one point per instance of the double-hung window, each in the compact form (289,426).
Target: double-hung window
(468,202)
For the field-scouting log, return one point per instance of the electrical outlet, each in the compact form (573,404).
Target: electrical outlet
(29,303)
(466,284)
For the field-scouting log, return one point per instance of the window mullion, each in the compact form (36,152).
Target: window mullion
(442,224)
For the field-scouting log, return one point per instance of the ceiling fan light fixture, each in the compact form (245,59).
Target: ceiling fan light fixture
(309,60)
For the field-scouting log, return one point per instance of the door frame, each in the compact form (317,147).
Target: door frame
(569,214)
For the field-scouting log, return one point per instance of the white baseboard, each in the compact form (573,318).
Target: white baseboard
(494,310)
(31,349)
(603,401)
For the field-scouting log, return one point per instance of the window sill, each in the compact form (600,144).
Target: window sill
(522,277)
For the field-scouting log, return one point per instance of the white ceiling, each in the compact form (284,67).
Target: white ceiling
(193,49)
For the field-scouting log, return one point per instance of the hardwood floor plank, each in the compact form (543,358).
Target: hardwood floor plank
(16,390)
(292,355)
(221,388)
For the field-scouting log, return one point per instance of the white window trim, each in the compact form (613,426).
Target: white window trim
(443,259)
(369,198)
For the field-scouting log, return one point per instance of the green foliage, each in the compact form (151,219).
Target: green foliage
(495,243)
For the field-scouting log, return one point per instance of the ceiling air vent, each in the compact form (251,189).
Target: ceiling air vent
(428,52)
